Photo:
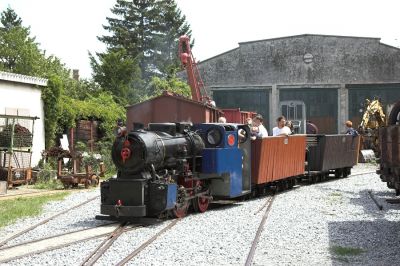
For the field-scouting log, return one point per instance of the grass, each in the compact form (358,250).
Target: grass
(51,184)
(336,194)
(346,251)
(13,209)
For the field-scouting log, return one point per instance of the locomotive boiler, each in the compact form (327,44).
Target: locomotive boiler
(149,164)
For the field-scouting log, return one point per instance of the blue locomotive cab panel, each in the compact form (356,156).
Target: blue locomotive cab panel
(228,164)
(222,157)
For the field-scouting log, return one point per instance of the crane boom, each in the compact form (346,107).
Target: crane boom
(194,79)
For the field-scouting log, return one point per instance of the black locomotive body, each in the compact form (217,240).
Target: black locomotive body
(149,163)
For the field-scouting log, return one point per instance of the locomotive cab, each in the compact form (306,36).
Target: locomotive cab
(227,154)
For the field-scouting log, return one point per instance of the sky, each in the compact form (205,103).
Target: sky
(69,29)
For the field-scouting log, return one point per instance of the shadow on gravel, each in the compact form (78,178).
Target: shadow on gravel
(370,207)
(364,242)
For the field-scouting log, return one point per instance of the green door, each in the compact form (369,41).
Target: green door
(321,106)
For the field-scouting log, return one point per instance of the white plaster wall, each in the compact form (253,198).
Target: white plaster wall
(25,96)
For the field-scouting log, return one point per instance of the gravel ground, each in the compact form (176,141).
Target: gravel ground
(80,218)
(303,227)
(331,215)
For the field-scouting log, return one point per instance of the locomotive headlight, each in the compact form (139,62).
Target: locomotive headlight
(214,136)
(231,140)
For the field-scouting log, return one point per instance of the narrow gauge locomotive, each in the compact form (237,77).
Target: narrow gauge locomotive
(170,166)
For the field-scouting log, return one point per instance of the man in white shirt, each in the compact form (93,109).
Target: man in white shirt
(258,128)
(281,129)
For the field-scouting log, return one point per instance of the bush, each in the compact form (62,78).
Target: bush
(47,178)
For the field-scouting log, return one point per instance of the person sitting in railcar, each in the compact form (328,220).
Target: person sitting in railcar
(258,130)
(281,129)
(289,124)
(350,130)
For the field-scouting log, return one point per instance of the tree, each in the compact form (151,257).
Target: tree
(172,27)
(117,72)
(18,51)
(173,84)
(9,19)
(148,31)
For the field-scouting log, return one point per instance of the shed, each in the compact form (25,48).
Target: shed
(21,95)
(170,107)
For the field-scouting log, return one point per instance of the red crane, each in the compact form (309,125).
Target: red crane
(196,84)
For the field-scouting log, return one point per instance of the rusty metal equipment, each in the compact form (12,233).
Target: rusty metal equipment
(74,176)
(199,93)
(389,142)
(373,118)
(16,138)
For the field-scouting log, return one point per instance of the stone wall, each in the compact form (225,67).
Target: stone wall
(304,59)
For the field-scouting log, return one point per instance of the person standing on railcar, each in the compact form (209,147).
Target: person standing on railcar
(281,129)
(258,129)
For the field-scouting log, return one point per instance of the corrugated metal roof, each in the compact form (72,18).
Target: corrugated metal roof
(22,79)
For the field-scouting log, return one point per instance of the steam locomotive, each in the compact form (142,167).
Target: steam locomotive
(170,166)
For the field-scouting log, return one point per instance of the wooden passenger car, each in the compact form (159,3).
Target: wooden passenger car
(277,158)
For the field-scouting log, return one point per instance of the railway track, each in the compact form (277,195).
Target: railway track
(253,248)
(145,244)
(4,242)
(96,254)
(104,246)
(37,246)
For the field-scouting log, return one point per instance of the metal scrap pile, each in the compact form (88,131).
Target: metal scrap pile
(22,137)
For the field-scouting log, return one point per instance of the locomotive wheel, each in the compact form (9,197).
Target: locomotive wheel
(180,210)
(200,204)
